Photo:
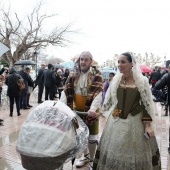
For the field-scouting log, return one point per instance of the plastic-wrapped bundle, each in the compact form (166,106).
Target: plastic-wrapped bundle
(51,134)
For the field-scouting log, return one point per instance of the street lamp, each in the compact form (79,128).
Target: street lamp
(165,60)
(35,53)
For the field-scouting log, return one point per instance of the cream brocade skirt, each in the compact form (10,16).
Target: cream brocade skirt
(123,146)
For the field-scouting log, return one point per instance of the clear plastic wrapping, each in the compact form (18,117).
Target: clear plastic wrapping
(48,136)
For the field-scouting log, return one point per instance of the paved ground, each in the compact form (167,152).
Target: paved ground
(10,160)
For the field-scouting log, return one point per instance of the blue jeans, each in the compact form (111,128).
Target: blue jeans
(17,101)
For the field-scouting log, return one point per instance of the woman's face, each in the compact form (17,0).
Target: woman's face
(59,73)
(124,65)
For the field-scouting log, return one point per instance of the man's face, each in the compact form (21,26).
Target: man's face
(43,66)
(85,63)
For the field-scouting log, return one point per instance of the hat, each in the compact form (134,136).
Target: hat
(86,53)
(59,70)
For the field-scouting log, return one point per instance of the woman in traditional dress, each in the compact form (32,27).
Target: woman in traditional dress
(128,141)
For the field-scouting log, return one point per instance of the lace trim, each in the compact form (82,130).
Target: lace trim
(128,86)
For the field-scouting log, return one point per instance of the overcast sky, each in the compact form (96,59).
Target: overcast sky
(110,26)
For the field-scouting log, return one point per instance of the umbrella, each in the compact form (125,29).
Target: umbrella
(25,62)
(58,66)
(3,49)
(54,60)
(68,64)
(107,68)
(145,69)
(105,73)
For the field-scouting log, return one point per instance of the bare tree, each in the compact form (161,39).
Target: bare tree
(23,38)
(148,59)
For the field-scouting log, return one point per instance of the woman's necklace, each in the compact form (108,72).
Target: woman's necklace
(125,79)
(124,82)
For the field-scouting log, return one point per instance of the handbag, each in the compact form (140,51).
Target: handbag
(21,84)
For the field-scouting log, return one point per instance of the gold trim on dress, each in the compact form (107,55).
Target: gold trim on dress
(116,112)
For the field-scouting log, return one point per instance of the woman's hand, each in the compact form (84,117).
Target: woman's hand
(149,129)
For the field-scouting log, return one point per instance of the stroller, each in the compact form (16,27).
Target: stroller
(51,135)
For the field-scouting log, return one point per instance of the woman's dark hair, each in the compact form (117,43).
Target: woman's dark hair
(128,55)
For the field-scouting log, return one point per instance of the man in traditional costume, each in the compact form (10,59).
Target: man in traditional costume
(83,93)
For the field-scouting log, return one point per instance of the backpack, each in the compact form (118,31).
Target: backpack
(21,84)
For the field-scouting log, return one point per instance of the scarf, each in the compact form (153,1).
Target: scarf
(94,87)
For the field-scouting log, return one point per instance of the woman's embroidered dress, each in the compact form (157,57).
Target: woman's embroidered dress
(123,145)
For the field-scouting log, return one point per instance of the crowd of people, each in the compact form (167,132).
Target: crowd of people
(125,99)
(128,106)
(50,79)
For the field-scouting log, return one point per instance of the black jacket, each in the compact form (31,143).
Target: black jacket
(155,76)
(59,81)
(164,81)
(24,75)
(40,77)
(164,72)
(11,81)
(49,78)
(30,81)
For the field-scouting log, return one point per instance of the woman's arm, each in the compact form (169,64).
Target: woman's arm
(148,128)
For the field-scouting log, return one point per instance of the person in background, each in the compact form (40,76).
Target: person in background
(128,141)
(83,92)
(66,74)
(49,82)
(155,76)
(59,81)
(167,70)
(1,84)
(111,76)
(106,85)
(165,81)
(30,85)
(24,92)
(13,90)
(40,82)
(2,78)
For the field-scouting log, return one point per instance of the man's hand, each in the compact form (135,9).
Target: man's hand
(6,68)
(93,115)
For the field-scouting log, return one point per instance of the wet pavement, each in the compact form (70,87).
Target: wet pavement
(10,159)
